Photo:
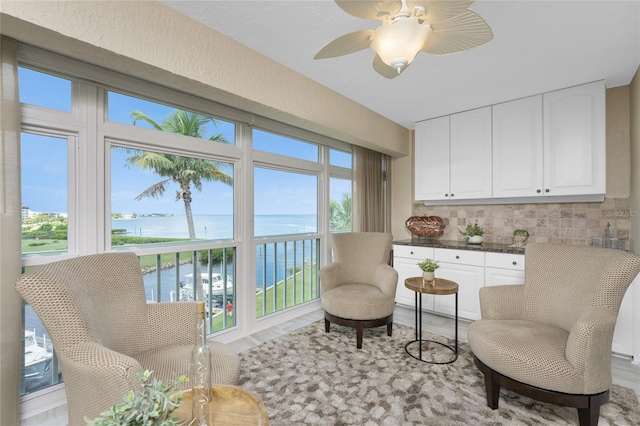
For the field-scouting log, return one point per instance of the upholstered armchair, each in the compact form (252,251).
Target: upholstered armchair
(104,332)
(550,338)
(358,290)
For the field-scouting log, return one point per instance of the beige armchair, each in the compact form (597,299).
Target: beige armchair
(359,288)
(104,331)
(550,338)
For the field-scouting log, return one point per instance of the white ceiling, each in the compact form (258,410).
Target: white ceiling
(538,46)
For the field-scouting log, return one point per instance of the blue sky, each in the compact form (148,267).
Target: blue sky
(44,163)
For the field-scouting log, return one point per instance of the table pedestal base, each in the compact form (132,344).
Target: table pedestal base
(419,340)
(419,358)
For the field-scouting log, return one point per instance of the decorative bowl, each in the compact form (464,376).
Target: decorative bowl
(425,226)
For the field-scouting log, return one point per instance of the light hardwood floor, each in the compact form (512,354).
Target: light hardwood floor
(624,372)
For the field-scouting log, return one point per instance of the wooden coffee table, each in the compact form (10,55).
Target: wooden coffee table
(440,287)
(230,406)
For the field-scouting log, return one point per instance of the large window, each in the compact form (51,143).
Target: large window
(285,203)
(215,209)
(44,90)
(340,191)
(45,196)
(277,144)
(152,115)
(162,198)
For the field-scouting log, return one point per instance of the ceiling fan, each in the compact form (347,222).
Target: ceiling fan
(408,27)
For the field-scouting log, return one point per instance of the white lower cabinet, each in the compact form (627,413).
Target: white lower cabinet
(503,269)
(466,268)
(405,262)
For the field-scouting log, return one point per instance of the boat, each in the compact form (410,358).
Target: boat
(217,285)
(37,360)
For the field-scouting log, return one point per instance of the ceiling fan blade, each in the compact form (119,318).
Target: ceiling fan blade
(439,10)
(346,44)
(463,32)
(385,70)
(374,10)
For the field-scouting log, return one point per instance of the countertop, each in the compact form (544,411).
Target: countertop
(460,245)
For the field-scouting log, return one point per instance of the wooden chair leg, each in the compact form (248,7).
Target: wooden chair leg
(359,333)
(493,391)
(389,329)
(589,416)
(327,325)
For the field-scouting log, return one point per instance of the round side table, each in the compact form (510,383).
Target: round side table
(440,287)
(230,405)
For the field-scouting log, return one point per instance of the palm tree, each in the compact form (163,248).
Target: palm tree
(187,172)
(340,214)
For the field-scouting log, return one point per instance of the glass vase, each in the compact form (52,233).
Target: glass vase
(200,376)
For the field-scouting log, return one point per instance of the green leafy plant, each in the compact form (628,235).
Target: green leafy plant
(521,232)
(472,230)
(428,265)
(152,406)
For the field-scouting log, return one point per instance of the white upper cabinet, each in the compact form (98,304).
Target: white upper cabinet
(432,159)
(470,150)
(550,146)
(517,148)
(453,156)
(575,140)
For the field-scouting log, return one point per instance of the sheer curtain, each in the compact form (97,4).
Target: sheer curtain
(10,237)
(371,200)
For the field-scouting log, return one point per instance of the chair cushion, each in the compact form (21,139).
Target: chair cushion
(529,352)
(169,362)
(357,301)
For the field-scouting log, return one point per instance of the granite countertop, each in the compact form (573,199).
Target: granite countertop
(460,245)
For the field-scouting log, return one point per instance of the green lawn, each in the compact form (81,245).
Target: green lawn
(303,292)
(310,293)
(30,246)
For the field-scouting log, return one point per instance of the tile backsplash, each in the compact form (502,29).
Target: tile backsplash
(568,223)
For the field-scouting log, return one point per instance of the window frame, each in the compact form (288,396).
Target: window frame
(92,136)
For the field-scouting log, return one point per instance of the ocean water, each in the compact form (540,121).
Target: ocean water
(215,227)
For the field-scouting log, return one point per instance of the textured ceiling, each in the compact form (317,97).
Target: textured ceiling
(538,46)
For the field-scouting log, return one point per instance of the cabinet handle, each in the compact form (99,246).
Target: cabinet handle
(457,257)
(452,195)
(538,191)
(515,263)
(446,195)
(546,190)
(411,252)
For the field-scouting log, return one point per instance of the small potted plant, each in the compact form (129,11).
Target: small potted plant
(520,237)
(428,267)
(153,405)
(473,234)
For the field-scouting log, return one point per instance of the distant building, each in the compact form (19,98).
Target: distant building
(28,214)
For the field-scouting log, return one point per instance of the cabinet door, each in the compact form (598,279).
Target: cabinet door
(517,148)
(498,276)
(470,148)
(470,279)
(408,268)
(432,159)
(574,140)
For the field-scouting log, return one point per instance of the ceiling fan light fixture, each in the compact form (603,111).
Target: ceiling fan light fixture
(398,42)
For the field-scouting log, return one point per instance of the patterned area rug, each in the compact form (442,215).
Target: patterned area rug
(316,378)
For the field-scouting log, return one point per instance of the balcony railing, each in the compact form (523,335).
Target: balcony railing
(286,274)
